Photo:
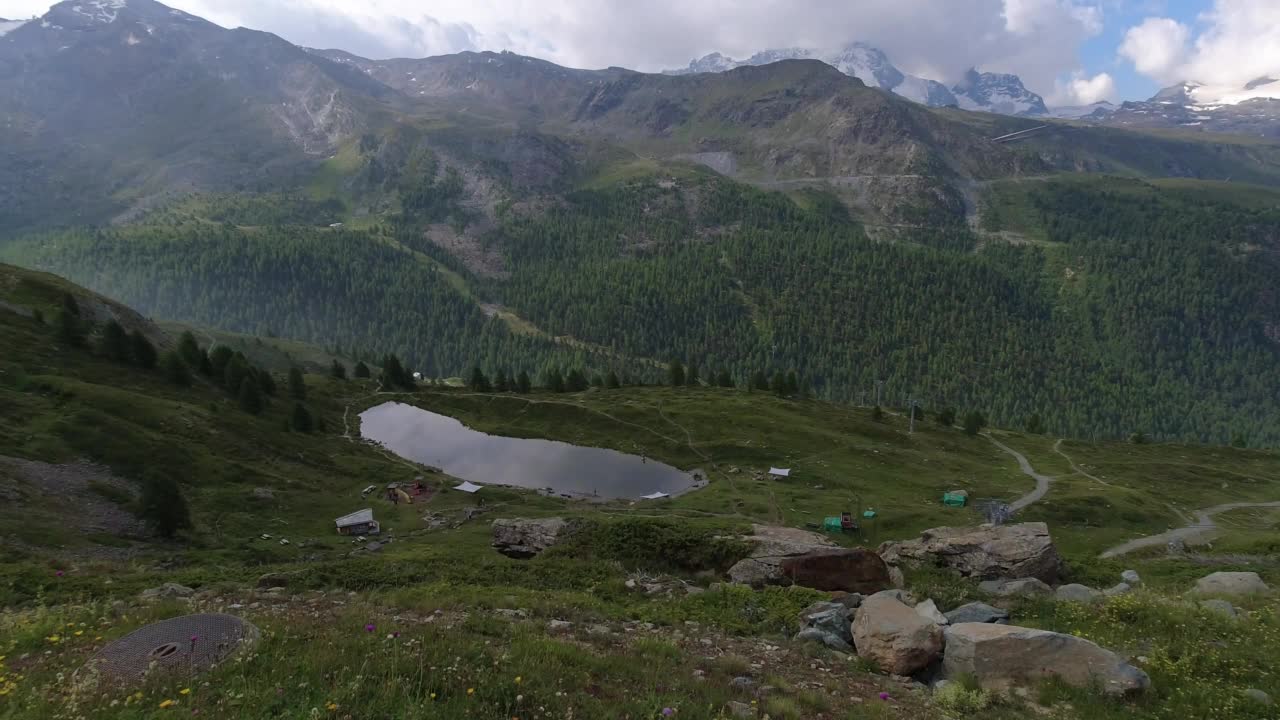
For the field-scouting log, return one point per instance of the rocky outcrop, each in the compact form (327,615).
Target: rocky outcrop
(895,636)
(1222,607)
(788,556)
(929,611)
(1022,587)
(524,538)
(851,570)
(976,612)
(988,552)
(167,590)
(1231,583)
(1077,593)
(1001,656)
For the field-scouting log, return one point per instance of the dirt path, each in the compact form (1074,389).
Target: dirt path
(1203,529)
(1042,481)
(1057,447)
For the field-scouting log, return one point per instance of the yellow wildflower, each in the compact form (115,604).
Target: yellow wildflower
(331,706)
(167,704)
(79,633)
(184,691)
(518,679)
(471,691)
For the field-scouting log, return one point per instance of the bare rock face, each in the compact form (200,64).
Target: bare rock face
(1022,587)
(1024,550)
(1002,656)
(772,545)
(894,636)
(524,538)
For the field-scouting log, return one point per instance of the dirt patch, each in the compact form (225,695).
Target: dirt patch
(76,493)
(471,251)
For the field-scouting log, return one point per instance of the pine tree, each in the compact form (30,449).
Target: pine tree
(1238,441)
(1138,438)
(218,359)
(205,365)
(691,378)
(266,383)
(175,369)
(394,375)
(362,370)
(338,371)
(300,419)
(793,383)
(779,384)
(611,381)
(69,330)
(1035,425)
(162,506)
(297,386)
(554,381)
(576,381)
(501,383)
(946,417)
(250,396)
(144,353)
(189,349)
(974,421)
(235,373)
(724,379)
(877,414)
(523,385)
(760,381)
(675,374)
(115,343)
(479,383)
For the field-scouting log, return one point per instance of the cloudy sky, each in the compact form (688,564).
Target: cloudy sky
(1070,51)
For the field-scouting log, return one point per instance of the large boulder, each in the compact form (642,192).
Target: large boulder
(1231,583)
(1077,593)
(787,556)
(829,623)
(524,538)
(894,636)
(977,612)
(1001,656)
(988,552)
(1022,587)
(851,570)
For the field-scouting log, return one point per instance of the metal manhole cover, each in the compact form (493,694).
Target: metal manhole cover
(185,645)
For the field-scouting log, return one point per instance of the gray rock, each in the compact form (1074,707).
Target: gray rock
(261,493)
(829,618)
(1258,696)
(740,709)
(977,612)
(167,590)
(1222,607)
(1004,656)
(599,630)
(558,626)
(896,578)
(1022,587)
(988,552)
(1077,593)
(849,600)
(901,596)
(1117,589)
(829,639)
(895,636)
(742,683)
(1131,577)
(524,538)
(374,546)
(789,556)
(1231,583)
(929,611)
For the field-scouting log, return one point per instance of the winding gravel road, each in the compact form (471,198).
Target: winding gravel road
(1042,481)
(1202,529)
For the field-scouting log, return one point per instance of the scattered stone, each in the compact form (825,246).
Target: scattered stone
(849,600)
(261,493)
(1022,550)
(742,683)
(1118,589)
(1231,583)
(599,630)
(1002,656)
(558,626)
(1023,587)
(829,618)
(524,538)
(1075,592)
(830,640)
(1131,577)
(896,578)
(1258,696)
(167,590)
(1221,607)
(740,709)
(901,596)
(894,636)
(929,611)
(977,612)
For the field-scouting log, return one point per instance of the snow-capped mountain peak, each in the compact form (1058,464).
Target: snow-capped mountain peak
(8,26)
(997,92)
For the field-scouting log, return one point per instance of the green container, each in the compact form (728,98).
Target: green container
(955,500)
(868,514)
(832,524)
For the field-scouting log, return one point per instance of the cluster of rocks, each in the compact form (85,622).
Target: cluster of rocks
(523,537)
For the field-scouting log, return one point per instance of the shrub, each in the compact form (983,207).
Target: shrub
(954,697)
(163,507)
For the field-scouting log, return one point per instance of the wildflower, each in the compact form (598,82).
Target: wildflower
(168,704)
(331,706)
(884,696)
(78,633)
(518,679)
(471,691)
(370,627)
(194,638)
(433,696)
(184,691)
(395,634)
(58,574)
(668,712)
(53,638)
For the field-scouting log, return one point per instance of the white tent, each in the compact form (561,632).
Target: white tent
(780,472)
(654,496)
(468,487)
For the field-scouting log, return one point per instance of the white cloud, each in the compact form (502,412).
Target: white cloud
(1157,48)
(1080,89)
(1238,41)
(1037,39)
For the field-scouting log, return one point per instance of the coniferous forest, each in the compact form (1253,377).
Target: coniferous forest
(1101,308)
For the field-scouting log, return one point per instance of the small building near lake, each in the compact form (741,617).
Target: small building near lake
(360,522)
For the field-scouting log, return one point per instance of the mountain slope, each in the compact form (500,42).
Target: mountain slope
(133,100)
